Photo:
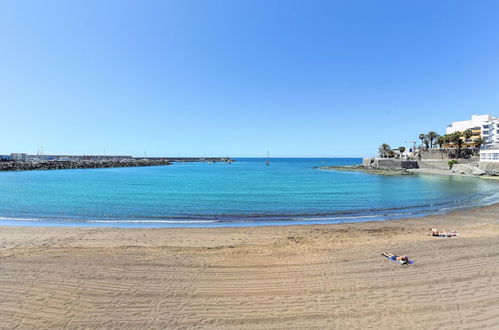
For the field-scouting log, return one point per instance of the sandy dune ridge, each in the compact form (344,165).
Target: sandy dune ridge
(320,276)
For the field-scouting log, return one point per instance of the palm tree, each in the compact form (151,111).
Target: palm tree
(384,150)
(467,134)
(437,136)
(441,141)
(459,146)
(478,142)
(456,139)
(426,143)
(422,137)
(447,139)
(432,136)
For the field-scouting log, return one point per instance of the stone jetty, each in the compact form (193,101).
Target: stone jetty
(25,162)
(98,162)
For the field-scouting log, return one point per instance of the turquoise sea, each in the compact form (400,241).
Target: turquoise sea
(244,193)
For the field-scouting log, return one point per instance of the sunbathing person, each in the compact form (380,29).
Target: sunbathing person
(402,259)
(442,233)
(434,232)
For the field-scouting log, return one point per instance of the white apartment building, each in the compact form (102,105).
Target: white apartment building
(489,155)
(489,132)
(475,122)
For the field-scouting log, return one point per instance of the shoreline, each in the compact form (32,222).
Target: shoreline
(304,276)
(128,224)
(457,212)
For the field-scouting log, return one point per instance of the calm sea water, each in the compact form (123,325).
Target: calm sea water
(245,193)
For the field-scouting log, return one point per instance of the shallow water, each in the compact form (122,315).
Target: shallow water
(244,193)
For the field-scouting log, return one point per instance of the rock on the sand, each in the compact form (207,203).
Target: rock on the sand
(467,169)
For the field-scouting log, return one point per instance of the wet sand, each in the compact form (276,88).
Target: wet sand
(319,276)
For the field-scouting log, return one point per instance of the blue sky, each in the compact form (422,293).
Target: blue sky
(201,78)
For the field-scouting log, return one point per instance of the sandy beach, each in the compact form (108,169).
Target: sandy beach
(320,276)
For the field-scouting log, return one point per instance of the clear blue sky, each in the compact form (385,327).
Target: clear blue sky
(300,78)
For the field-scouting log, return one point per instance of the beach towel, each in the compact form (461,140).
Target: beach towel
(394,258)
(453,234)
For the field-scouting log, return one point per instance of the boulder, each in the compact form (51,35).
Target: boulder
(477,171)
(467,169)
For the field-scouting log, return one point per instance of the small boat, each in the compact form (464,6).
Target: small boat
(268,159)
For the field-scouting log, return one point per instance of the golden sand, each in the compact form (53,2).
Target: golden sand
(319,276)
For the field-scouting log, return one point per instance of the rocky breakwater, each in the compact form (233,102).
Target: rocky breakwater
(59,165)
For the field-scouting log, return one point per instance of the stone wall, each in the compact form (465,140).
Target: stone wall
(446,154)
(389,163)
(436,164)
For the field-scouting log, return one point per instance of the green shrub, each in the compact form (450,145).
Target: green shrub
(451,163)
